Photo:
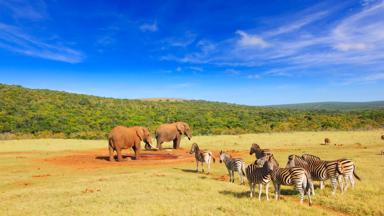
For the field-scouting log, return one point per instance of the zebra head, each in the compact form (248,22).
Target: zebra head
(269,157)
(223,156)
(254,148)
(194,148)
(291,161)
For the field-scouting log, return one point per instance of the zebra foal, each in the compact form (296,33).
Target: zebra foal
(233,164)
(202,157)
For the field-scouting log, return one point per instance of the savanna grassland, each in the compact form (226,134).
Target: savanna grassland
(38,177)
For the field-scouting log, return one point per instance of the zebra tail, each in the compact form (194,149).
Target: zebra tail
(309,185)
(354,173)
(243,169)
(213,158)
(339,168)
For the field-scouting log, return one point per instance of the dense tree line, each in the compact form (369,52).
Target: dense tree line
(45,113)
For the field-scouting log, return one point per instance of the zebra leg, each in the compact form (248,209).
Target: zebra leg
(233,176)
(299,187)
(230,176)
(321,185)
(197,166)
(334,185)
(260,190)
(251,186)
(202,167)
(352,180)
(241,177)
(266,190)
(209,165)
(346,179)
(341,183)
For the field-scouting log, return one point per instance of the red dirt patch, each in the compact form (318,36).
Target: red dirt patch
(99,159)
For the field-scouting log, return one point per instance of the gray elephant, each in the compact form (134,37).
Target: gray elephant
(128,137)
(172,132)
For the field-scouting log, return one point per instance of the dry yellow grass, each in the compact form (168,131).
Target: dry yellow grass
(30,186)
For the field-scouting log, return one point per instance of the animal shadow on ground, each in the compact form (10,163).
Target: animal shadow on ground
(186,170)
(246,193)
(106,158)
(235,194)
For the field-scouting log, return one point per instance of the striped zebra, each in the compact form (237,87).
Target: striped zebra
(202,157)
(297,161)
(233,164)
(261,176)
(259,153)
(296,176)
(344,167)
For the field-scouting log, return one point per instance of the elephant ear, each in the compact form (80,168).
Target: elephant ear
(180,127)
(140,132)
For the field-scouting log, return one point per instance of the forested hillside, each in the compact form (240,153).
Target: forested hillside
(45,113)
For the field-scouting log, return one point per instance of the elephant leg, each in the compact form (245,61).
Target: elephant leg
(178,140)
(175,143)
(110,153)
(159,142)
(136,149)
(119,157)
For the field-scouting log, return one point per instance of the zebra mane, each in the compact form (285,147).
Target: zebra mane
(309,156)
(195,147)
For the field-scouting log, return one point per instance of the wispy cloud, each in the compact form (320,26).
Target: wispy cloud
(248,40)
(25,9)
(316,40)
(149,27)
(16,37)
(16,40)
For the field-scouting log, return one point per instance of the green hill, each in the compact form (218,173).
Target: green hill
(46,113)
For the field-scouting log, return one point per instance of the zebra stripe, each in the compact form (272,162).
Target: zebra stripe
(296,176)
(297,161)
(233,164)
(344,167)
(260,176)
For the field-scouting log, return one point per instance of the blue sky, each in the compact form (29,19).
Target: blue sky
(246,52)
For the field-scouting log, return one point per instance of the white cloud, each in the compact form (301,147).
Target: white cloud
(248,40)
(149,27)
(351,46)
(16,40)
(253,76)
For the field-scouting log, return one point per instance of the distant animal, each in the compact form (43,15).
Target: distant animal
(128,137)
(172,132)
(259,175)
(296,176)
(327,141)
(382,137)
(259,153)
(332,170)
(202,157)
(233,165)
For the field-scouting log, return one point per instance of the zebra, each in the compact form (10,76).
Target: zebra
(297,161)
(202,157)
(261,176)
(259,153)
(233,164)
(345,168)
(296,176)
